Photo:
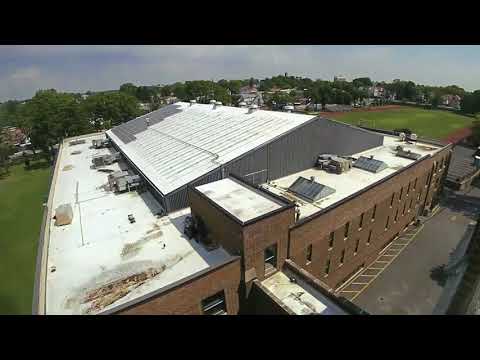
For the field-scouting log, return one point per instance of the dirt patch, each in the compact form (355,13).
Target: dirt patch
(132,249)
(67,167)
(360,110)
(458,136)
(105,295)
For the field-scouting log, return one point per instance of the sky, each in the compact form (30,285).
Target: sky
(26,69)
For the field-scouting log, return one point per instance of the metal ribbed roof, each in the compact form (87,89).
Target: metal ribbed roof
(184,142)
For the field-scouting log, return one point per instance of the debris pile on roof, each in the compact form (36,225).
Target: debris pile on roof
(63,215)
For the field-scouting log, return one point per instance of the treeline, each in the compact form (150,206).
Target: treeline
(50,115)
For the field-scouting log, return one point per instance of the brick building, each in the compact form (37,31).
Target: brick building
(264,228)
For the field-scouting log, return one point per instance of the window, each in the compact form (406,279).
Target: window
(374,211)
(330,242)
(393,198)
(401,193)
(396,216)
(411,203)
(387,223)
(327,267)
(347,226)
(408,189)
(369,237)
(356,246)
(342,257)
(309,254)
(215,304)
(404,208)
(360,225)
(271,257)
(415,184)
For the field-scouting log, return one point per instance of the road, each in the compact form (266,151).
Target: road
(413,282)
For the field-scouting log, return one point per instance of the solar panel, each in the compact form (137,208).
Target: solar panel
(408,154)
(370,164)
(310,190)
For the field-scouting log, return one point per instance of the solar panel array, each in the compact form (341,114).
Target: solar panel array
(195,140)
(369,164)
(310,190)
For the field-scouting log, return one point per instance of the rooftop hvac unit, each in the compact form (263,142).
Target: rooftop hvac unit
(402,136)
(476,161)
(252,108)
(192,102)
(107,159)
(333,163)
(212,101)
(242,104)
(288,108)
(100,143)
(412,137)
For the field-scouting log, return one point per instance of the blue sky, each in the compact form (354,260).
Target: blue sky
(25,69)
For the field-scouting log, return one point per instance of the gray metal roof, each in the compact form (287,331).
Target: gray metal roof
(369,164)
(461,164)
(310,190)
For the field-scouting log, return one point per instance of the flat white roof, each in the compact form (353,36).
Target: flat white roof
(184,142)
(353,180)
(240,201)
(299,297)
(101,246)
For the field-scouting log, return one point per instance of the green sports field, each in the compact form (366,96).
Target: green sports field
(433,124)
(22,194)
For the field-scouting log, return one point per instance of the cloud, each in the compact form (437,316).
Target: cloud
(25,69)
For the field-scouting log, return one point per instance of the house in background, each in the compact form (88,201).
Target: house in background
(451,101)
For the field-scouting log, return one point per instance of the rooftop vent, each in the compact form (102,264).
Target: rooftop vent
(213,101)
(242,104)
(217,104)
(407,154)
(192,102)
(310,189)
(252,108)
(147,121)
(412,137)
(370,164)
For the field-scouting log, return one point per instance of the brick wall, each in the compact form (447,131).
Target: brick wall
(187,297)
(317,231)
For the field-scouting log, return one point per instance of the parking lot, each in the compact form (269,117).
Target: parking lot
(408,276)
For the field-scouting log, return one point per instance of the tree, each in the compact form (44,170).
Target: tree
(362,82)
(110,109)
(129,88)
(6,149)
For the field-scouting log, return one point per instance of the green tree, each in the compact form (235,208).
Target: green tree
(129,88)
(363,81)
(111,109)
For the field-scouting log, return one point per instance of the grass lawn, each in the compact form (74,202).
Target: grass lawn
(22,194)
(433,124)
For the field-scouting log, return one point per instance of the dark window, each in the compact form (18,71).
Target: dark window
(396,216)
(215,304)
(327,267)
(393,198)
(271,257)
(361,221)
(401,193)
(411,203)
(374,211)
(404,208)
(387,223)
(309,253)
(415,184)
(342,257)
(356,245)
(369,237)
(330,242)
(408,189)
(347,225)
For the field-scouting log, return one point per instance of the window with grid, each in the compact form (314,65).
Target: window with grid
(270,257)
(309,254)
(215,304)
(330,242)
(347,226)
